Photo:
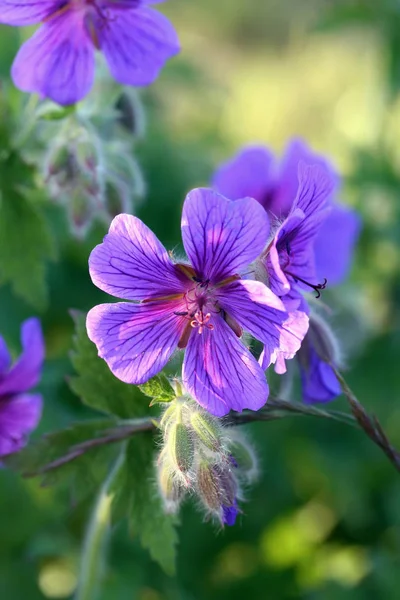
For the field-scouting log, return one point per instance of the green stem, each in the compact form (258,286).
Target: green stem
(94,546)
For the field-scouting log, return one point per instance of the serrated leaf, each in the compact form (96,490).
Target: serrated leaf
(26,241)
(96,385)
(159,389)
(136,493)
(86,469)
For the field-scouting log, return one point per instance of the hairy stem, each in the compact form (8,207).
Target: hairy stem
(369,423)
(94,546)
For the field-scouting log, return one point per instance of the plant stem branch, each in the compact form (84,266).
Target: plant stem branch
(94,545)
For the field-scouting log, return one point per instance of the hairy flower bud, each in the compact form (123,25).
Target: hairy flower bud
(170,487)
(323,340)
(180,447)
(216,485)
(243,456)
(207,429)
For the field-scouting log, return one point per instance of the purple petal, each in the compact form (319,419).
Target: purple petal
(285,193)
(249,173)
(221,373)
(334,245)
(135,340)
(19,416)
(27,12)
(58,61)
(136,44)
(291,334)
(316,184)
(5,358)
(229,514)
(131,263)
(222,237)
(26,372)
(319,382)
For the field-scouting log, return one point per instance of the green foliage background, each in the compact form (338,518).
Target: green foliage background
(323,520)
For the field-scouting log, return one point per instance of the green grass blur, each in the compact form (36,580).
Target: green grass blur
(323,520)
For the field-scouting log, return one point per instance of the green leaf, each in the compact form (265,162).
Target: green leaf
(136,493)
(96,385)
(45,457)
(158,388)
(26,241)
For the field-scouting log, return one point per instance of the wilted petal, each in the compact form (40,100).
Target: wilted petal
(135,340)
(19,416)
(222,237)
(26,372)
(249,173)
(334,245)
(132,263)
(27,12)
(58,61)
(221,373)
(136,43)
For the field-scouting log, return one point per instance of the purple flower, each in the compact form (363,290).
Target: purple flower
(202,306)
(255,172)
(58,61)
(20,411)
(229,514)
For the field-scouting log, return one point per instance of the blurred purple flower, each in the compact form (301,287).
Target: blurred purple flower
(58,61)
(202,306)
(255,172)
(229,514)
(20,412)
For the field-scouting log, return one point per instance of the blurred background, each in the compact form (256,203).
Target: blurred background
(323,520)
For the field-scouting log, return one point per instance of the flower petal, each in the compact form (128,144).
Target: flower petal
(249,173)
(334,245)
(58,61)
(288,178)
(221,373)
(222,237)
(28,12)
(135,340)
(19,416)
(316,184)
(136,43)
(26,372)
(5,358)
(131,263)
(319,382)
(262,313)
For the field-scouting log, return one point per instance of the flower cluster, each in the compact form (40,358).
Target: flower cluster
(204,459)
(312,242)
(20,411)
(58,61)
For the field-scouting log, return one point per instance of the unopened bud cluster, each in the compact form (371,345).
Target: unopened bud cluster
(203,458)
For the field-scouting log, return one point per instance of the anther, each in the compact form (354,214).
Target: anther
(316,288)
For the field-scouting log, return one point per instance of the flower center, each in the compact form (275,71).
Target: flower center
(201,304)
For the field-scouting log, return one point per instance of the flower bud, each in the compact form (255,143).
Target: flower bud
(171,488)
(207,429)
(180,447)
(244,458)
(323,340)
(216,485)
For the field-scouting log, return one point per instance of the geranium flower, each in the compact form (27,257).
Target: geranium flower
(58,61)
(20,411)
(201,306)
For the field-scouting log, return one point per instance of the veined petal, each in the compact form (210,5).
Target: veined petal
(222,237)
(58,61)
(135,340)
(249,173)
(131,263)
(27,12)
(316,184)
(19,416)
(26,372)
(288,179)
(136,43)
(5,358)
(221,373)
(258,310)
(291,332)
(335,243)
(319,382)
